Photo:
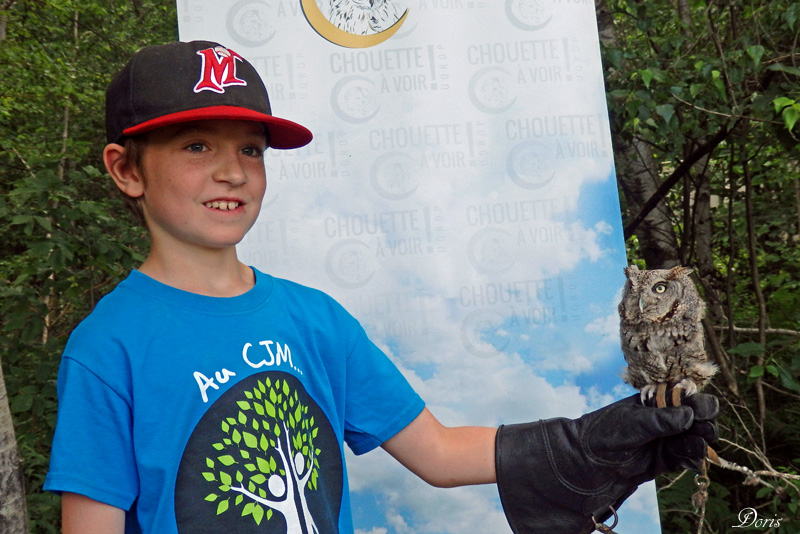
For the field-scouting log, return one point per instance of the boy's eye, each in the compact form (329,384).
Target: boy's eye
(253,151)
(196,147)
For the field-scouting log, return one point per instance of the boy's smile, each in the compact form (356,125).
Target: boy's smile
(222,205)
(203,183)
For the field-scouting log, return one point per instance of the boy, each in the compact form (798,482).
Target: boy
(202,395)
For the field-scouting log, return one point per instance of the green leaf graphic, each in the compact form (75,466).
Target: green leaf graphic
(263,465)
(250,440)
(252,443)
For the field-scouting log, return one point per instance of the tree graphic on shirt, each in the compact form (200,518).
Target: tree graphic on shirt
(266,460)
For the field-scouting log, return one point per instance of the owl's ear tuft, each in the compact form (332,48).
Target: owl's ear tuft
(631,271)
(677,272)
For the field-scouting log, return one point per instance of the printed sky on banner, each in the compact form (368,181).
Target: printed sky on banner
(459,199)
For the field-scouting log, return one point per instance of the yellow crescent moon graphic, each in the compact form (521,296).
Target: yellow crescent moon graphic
(326,29)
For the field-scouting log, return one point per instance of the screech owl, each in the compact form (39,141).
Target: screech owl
(661,332)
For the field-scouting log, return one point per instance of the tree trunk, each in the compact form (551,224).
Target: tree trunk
(4,7)
(13,506)
(796,184)
(685,14)
(704,253)
(13,509)
(637,175)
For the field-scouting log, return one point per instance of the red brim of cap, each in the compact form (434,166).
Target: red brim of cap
(283,133)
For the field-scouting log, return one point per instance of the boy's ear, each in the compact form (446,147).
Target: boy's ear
(125,174)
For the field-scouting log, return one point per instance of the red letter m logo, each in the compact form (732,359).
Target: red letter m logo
(219,70)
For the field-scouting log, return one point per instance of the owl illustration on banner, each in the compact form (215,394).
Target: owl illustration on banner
(364,17)
(661,331)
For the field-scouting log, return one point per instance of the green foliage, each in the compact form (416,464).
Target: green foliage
(675,80)
(788,109)
(66,233)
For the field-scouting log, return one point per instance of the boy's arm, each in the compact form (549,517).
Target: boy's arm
(445,456)
(82,515)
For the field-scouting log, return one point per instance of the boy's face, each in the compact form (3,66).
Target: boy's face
(204,182)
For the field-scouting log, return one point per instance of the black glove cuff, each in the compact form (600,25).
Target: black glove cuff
(564,476)
(536,498)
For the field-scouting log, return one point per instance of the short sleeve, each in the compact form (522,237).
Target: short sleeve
(92,452)
(380,401)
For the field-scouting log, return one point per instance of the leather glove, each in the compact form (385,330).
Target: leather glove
(688,449)
(564,476)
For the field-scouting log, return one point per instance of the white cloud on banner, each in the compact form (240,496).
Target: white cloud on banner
(452,511)
(607,326)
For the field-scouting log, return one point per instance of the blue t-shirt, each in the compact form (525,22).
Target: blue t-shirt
(204,414)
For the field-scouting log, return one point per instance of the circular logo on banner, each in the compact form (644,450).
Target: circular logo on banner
(529,165)
(350,264)
(392,175)
(355,24)
(492,251)
(529,15)
(250,23)
(490,90)
(353,99)
(481,333)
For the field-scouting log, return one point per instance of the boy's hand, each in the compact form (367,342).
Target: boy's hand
(563,475)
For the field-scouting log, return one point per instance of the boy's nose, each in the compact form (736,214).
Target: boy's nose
(229,169)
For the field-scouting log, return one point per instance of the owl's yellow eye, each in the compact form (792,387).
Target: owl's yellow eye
(660,287)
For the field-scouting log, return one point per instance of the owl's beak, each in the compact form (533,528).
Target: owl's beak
(641,304)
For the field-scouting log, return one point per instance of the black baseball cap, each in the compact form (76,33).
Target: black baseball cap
(182,82)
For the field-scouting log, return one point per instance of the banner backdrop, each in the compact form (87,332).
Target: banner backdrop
(459,199)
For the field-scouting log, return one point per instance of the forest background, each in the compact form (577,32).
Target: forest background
(704,100)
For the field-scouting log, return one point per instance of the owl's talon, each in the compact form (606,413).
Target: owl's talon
(687,386)
(647,392)
(712,456)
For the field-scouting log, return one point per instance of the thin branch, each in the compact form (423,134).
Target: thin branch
(674,178)
(768,331)
(754,476)
(781,391)
(672,482)
(754,274)
(22,159)
(714,37)
(726,115)
(792,57)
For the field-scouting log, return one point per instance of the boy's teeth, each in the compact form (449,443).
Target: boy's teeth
(222,205)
